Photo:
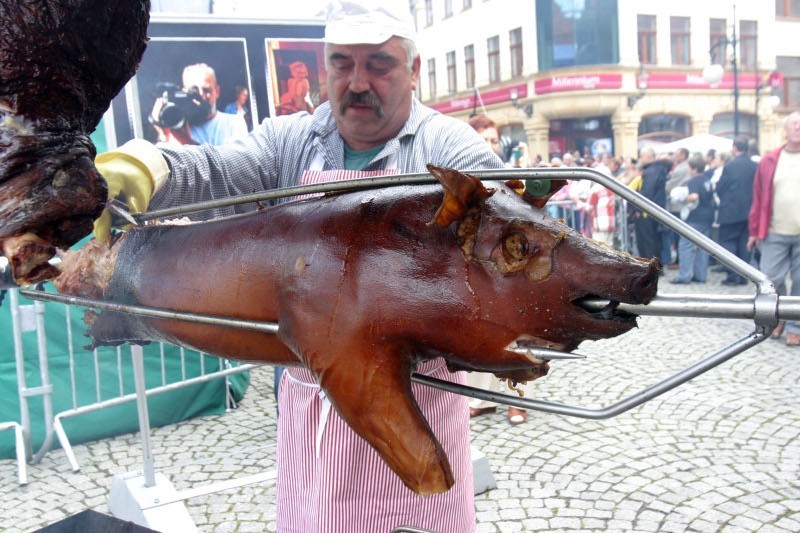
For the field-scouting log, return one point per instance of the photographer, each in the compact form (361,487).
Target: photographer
(190,116)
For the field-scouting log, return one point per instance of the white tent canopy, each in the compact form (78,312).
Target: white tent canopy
(699,143)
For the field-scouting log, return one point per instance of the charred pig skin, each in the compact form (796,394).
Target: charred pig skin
(61,63)
(366,285)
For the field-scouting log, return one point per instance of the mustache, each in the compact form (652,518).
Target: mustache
(366,98)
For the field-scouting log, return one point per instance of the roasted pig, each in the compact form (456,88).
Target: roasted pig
(366,285)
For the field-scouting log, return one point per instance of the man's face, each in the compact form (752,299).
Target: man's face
(370,90)
(792,128)
(206,84)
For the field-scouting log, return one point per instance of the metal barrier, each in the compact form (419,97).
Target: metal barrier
(574,217)
(31,318)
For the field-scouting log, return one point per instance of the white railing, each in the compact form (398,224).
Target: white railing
(108,365)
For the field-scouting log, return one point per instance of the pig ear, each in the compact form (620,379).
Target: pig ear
(537,192)
(461,191)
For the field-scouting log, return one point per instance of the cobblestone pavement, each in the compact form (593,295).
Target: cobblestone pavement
(720,453)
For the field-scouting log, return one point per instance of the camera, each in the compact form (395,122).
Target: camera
(179,106)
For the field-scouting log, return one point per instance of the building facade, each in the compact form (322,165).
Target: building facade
(590,75)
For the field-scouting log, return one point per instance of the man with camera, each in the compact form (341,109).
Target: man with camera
(190,115)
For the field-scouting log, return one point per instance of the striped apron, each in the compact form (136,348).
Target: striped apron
(331,481)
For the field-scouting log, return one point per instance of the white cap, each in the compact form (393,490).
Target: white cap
(368,21)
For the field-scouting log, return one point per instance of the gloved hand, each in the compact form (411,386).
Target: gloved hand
(129,180)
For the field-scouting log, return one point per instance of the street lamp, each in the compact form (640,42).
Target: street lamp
(641,83)
(525,108)
(773,81)
(712,74)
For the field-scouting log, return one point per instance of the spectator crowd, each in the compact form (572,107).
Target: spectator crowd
(744,202)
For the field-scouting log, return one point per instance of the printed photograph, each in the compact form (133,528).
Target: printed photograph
(296,71)
(192,91)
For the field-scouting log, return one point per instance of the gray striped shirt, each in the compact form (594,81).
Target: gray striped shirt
(278,152)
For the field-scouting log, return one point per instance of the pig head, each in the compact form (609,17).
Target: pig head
(366,285)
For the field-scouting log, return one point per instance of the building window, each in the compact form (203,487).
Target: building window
(664,128)
(493,50)
(577,32)
(515,46)
(748,41)
(428,12)
(432,77)
(587,135)
(448,8)
(787,8)
(718,38)
(452,85)
(469,65)
(510,137)
(723,125)
(790,92)
(679,30)
(647,39)
(467,4)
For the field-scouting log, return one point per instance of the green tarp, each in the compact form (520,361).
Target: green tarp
(165,408)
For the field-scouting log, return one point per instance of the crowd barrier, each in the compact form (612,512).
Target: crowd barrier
(575,218)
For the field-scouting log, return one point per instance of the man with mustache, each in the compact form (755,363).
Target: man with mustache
(328,478)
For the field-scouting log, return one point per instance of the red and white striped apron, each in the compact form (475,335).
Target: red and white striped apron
(331,481)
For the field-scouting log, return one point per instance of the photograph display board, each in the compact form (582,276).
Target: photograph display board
(258,61)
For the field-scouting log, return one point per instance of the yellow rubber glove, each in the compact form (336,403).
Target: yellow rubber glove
(129,180)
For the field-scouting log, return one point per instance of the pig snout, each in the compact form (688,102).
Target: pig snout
(644,288)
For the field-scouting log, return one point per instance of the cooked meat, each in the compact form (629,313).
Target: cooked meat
(61,63)
(365,286)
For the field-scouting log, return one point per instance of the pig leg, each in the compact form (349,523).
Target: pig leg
(372,393)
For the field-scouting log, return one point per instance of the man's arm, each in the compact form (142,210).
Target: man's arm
(759,203)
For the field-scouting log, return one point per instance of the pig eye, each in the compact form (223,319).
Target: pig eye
(515,248)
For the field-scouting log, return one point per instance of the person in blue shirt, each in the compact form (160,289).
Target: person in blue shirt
(698,212)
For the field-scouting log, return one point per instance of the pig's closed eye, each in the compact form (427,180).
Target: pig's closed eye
(515,250)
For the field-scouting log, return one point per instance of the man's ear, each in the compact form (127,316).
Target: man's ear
(415,72)
(217,90)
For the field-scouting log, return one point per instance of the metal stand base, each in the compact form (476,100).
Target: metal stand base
(482,477)
(131,500)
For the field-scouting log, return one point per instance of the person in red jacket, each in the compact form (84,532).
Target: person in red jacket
(774,222)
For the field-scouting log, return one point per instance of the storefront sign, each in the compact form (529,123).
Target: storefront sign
(694,80)
(776,80)
(475,100)
(582,82)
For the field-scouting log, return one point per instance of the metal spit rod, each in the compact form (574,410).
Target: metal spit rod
(669,305)
(765,308)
